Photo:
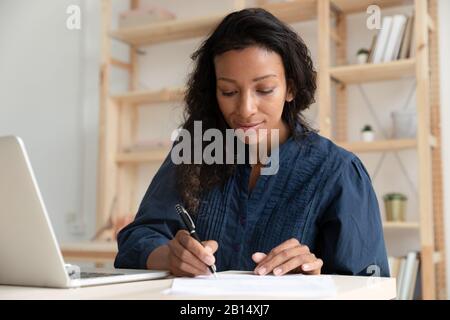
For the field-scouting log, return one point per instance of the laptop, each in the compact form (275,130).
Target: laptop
(29,252)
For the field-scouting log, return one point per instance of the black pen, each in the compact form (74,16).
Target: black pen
(191,228)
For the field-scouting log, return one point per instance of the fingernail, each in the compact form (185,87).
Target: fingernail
(209,260)
(262,271)
(306,267)
(209,249)
(277,271)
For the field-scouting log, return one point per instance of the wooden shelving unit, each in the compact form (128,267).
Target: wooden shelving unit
(157,154)
(147,96)
(427,142)
(118,115)
(295,11)
(401,225)
(382,145)
(98,252)
(374,72)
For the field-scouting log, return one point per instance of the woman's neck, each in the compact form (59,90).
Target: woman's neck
(283,135)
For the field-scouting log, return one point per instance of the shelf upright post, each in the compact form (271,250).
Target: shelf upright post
(424,149)
(108,119)
(436,153)
(323,80)
(128,125)
(341,88)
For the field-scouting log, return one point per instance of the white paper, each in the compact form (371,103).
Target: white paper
(296,286)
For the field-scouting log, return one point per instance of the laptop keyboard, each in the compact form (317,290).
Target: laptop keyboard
(86,275)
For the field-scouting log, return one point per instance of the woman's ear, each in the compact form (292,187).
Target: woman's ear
(290,92)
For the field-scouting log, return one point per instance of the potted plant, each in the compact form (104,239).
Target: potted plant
(367,133)
(395,206)
(362,55)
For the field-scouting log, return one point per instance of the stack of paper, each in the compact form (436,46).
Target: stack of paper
(297,286)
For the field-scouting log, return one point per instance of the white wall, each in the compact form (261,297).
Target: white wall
(40,63)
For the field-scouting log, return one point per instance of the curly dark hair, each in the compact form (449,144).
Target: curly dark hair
(239,30)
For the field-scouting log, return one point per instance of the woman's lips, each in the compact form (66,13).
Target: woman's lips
(248,126)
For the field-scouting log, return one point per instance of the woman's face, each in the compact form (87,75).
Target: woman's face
(251,90)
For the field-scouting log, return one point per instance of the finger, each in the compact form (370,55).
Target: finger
(258,256)
(195,247)
(183,268)
(211,246)
(293,242)
(314,267)
(269,264)
(295,264)
(184,255)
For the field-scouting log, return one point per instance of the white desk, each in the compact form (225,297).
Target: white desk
(348,287)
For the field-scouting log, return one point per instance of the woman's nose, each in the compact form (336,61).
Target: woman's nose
(247,105)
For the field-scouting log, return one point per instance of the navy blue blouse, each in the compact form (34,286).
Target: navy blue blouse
(322,195)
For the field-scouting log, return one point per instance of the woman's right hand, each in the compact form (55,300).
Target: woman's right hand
(187,257)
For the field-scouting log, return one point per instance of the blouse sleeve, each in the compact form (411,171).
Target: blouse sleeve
(156,221)
(350,238)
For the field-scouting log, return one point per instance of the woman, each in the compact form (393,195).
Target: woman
(317,214)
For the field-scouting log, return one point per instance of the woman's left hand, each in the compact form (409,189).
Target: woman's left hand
(290,256)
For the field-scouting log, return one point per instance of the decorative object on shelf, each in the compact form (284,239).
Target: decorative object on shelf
(112,227)
(362,55)
(108,232)
(395,206)
(404,124)
(367,134)
(144,15)
(149,144)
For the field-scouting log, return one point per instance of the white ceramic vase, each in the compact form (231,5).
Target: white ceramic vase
(362,58)
(367,136)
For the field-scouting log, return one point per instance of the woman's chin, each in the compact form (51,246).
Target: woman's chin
(253,140)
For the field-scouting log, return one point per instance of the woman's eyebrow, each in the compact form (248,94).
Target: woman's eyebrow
(254,80)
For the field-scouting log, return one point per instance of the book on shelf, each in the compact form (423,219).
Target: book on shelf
(395,38)
(405,270)
(372,47)
(383,35)
(400,276)
(409,276)
(394,266)
(412,48)
(405,49)
(413,282)
(394,41)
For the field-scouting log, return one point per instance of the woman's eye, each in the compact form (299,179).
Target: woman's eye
(265,91)
(228,93)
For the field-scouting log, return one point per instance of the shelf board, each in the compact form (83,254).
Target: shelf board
(159,154)
(400,225)
(158,32)
(359,6)
(373,72)
(148,96)
(154,155)
(89,251)
(289,12)
(381,145)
